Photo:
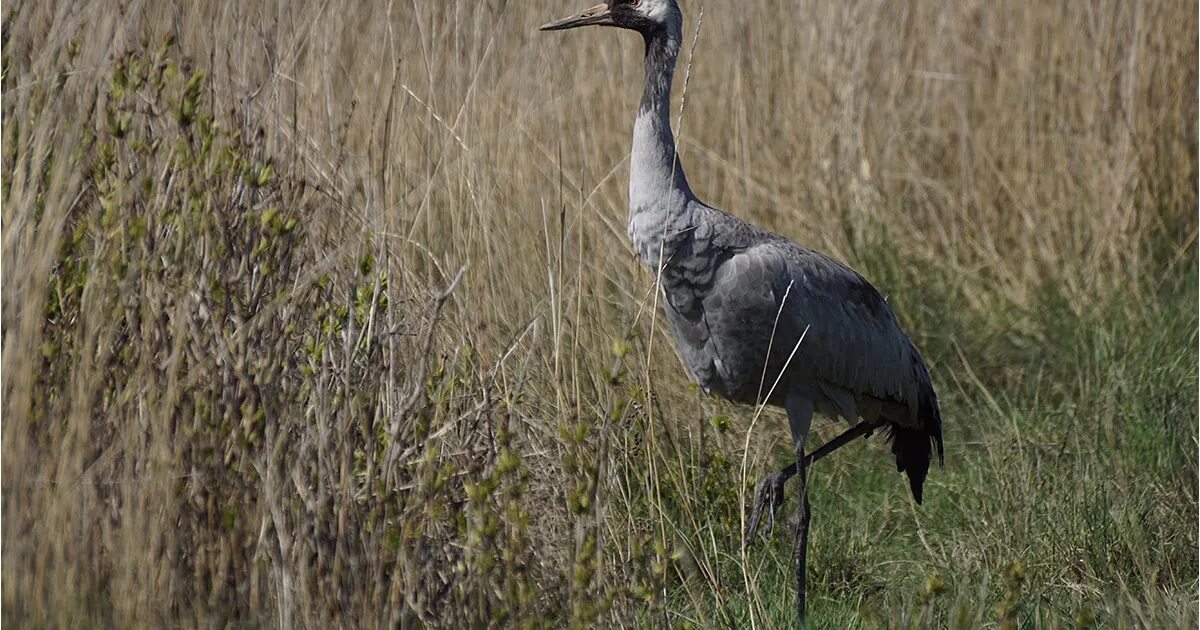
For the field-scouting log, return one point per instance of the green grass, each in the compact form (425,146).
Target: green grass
(1077,463)
(246,383)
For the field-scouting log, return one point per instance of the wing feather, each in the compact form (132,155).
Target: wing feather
(764,298)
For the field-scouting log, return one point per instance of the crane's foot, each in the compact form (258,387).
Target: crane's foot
(768,498)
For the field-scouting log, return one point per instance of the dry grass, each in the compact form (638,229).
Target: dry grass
(244,382)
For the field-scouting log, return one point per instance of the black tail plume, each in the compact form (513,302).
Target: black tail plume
(913,447)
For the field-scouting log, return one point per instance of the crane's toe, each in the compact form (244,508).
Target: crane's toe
(768,498)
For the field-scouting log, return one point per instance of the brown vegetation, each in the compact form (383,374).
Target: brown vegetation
(319,314)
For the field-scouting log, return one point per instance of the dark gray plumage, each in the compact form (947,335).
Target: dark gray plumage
(747,306)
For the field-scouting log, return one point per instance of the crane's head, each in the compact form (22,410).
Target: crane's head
(644,16)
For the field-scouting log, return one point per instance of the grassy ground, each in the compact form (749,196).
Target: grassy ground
(318,314)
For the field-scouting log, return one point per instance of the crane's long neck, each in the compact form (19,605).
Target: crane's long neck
(657,182)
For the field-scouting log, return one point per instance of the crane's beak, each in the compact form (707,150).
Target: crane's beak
(599,15)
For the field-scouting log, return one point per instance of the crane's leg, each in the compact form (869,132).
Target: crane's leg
(769,494)
(800,411)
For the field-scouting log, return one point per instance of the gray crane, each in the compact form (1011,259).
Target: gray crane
(757,318)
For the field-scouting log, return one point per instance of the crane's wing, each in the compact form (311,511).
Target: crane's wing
(829,333)
(853,339)
(766,297)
